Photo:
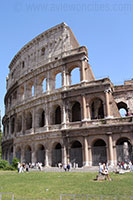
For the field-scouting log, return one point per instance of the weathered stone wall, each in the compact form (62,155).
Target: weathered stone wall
(69,122)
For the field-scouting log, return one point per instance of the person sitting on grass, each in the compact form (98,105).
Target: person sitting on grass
(105,172)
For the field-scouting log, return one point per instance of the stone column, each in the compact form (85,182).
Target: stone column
(33,120)
(36,87)
(14,151)
(46,158)
(86,154)
(84,110)
(5,129)
(23,123)
(110,149)
(64,155)
(107,92)
(90,156)
(64,78)
(46,118)
(9,127)
(83,74)
(115,155)
(48,83)
(33,154)
(88,112)
(67,78)
(22,155)
(64,116)
(25,91)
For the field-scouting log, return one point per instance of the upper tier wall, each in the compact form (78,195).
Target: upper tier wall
(41,50)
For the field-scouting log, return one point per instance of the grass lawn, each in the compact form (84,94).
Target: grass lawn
(49,185)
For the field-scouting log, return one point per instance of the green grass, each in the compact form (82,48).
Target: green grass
(49,186)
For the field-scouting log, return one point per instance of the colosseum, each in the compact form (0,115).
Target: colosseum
(52,120)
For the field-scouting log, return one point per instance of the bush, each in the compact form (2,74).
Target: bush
(9,167)
(15,163)
(4,164)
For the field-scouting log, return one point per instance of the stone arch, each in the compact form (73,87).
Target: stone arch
(6,154)
(28,153)
(7,126)
(123,109)
(124,150)
(19,123)
(56,114)
(74,74)
(43,51)
(76,155)
(40,117)
(56,154)
(99,152)
(42,84)
(76,112)
(97,109)
(40,154)
(18,153)
(28,120)
(12,125)
(30,89)
(10,154)
(58,80)
(33,90)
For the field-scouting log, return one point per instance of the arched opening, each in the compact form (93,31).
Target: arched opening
(122,107)
(99,153)
(19,123)
(97,110)
(58,115)
(30,89)
(12,125)
(18,153)
(23,64)
(10,100)
(28,154)
(76,112)
(11,155)
(56,155)
(76,156)
(75,76)
(7,127)
(124,150)
(41,118)
(44,85)
(28,121)
(6,155)
(33,90)
(43,51)
(41,154)
(58,80)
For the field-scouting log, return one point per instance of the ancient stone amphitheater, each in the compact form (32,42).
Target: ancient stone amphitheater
(51,122)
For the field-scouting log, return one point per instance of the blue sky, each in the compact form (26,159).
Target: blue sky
(104,27)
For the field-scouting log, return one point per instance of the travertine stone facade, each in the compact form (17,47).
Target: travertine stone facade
(78,123)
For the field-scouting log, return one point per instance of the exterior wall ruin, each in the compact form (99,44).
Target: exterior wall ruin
(78,123)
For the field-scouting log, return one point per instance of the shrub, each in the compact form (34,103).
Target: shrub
(4,164)
(9,167)
(15,163)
